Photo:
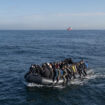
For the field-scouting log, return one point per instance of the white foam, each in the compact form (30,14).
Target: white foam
(31,85)
(91,75)
(34,85)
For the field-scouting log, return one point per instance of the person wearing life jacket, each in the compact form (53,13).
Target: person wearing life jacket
(73,66)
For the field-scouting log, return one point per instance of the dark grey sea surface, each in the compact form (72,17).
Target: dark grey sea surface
(20,49)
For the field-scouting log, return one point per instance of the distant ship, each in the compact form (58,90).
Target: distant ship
(69,29)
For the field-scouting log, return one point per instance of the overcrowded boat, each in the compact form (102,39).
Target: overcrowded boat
(55,73)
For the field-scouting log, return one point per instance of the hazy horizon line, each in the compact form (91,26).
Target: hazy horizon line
(44,29)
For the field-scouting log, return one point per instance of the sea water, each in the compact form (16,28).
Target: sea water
(20,49)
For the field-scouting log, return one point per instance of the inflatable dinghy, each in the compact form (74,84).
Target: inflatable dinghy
(33,80)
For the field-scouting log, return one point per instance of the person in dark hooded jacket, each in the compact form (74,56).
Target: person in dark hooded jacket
(45,71)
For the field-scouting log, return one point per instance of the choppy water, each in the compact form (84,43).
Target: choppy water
(19,49)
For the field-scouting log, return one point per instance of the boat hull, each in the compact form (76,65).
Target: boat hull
(37,79)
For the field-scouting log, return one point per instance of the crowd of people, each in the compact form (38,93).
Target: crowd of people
(66,69)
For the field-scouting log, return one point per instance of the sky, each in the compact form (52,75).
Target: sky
(52,14)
